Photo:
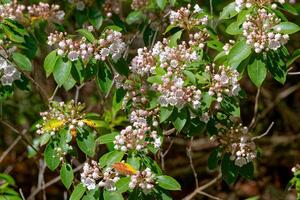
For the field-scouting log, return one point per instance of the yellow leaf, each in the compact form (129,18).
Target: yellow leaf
(90,123)
(124,168)
(53,124)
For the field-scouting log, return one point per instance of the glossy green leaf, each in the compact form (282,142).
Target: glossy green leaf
(287,28)
(107,138)
(239,52)
(66,175)
(161,4)
(110,158)
(51,158)
(134,17)
(165,113)
(228,11)
(78,192)
(87,34)
(257,71)
(62,71)
(229,170)
(86,141)
(22,61)
(104,78)
(49,62)
(168,183)
(174,38)
(180,119)
(123,184)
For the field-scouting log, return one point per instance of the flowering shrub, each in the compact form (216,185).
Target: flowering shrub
(181,79)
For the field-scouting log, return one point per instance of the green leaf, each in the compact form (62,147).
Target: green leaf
(277,66)
(239,52)
(213,159)
(122,67)
(44,139)
(51,158)
(12,35)
(247,171)
(107,138)
(229,170)
(49,62)
(191,76)
(66,175)
(287,28)
(161,4)
(70,83)
(134,17)
(294,57)
(114,28)
(86,141)
(134,161)
(7,178)
(155,79)
(289,8)
(180,118)
(174,38)
(15,26)
(22,61)
(123,184)
(228,11)
(112,195)
(104,78)
(234,29)
(62,71)
(78,192)
(257,71)
(168,183)
(165,113)
(110,158)
(87,34)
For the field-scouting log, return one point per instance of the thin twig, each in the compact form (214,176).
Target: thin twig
(48,184)
(20,134)
(169,132)
(21,193)
(211,11)
(189,154)
(209,195)
(294,73)
(163,154)
(201,188)
(54,93)
(264,134)
(6,152)
(255,109)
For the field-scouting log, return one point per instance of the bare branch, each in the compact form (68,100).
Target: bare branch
(265,133)
(200,189)
(6,152)
(255,108)
(189,154)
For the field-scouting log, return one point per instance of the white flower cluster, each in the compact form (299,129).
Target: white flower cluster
(243,150)
(174,93)
(139,4)
(240,4)
(46,11)
(260,34)
(11,10)
(16,11)
(110,177)
(199,38)
(187,19)
(224,81)
(110,43)
(8,72)
(237,142)
(228,46)
(143,63)
(90,175)
(144,180)
(140,134)
(60,115)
